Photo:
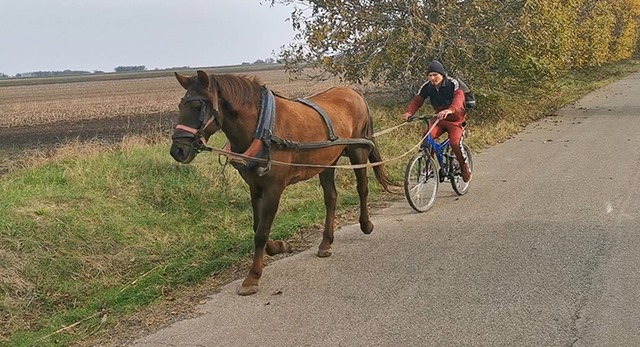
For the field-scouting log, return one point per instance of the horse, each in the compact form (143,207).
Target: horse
(305,139)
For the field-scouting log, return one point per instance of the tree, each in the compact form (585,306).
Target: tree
(130,68)
(391,41)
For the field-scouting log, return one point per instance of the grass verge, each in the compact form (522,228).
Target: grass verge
(96,234)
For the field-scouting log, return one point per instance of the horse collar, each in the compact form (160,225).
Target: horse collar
(267,116)
(260,146)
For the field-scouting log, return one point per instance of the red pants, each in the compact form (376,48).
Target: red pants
(455,131)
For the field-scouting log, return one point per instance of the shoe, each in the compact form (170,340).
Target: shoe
(466,172)
(442,175)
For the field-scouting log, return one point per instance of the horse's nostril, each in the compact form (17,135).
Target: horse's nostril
(177,153)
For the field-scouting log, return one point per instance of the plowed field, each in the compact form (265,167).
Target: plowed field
(44,116)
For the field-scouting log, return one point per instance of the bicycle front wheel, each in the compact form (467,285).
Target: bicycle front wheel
(421,182)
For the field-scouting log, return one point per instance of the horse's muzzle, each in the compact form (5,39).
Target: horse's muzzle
(182,152)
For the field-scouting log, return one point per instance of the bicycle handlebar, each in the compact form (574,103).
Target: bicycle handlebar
(421,116)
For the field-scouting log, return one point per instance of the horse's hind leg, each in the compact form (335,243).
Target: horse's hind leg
(359,155)
(327,180)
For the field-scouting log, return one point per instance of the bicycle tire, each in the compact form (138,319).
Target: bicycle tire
(421,182)
(457,183)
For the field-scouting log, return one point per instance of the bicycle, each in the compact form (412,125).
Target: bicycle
(432,165)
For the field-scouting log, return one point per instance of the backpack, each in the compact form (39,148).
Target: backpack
(469,96)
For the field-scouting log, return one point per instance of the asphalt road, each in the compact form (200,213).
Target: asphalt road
(544,250)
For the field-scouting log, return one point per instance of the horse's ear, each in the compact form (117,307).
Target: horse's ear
(184,81)
(203,78)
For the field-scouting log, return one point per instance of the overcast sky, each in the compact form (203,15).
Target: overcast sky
(88,35)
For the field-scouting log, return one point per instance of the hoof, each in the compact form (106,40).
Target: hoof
(277,247)
(366,228)
(249,290)
(323,253)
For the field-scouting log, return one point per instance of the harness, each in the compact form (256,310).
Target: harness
(325,117)
(264,136)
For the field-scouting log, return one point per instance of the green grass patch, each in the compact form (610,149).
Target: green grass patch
(112,230)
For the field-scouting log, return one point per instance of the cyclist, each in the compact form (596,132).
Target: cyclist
(447,100)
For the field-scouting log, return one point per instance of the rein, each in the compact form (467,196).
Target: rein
(264,132)
(230,154)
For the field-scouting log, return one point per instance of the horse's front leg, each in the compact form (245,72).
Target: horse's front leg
(272,247)
(265,205)
(328,182)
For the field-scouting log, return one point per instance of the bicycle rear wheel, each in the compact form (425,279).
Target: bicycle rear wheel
(459,185)
(421,182)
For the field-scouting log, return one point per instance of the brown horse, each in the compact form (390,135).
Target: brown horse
(298,134)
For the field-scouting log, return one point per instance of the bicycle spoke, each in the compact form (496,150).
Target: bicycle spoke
(421,182)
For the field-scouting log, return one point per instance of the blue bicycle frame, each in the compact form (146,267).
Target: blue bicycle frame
(438,149)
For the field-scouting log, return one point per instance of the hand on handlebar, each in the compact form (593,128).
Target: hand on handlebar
(410,118)
(442,115)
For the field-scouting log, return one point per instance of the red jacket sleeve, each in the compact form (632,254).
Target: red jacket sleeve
(457,106)
(415,104)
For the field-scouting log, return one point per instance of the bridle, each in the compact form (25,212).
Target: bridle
(208,114)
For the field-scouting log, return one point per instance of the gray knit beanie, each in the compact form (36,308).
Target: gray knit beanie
(436,66)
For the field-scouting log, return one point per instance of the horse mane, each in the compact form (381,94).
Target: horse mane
(239,89)
(242,89)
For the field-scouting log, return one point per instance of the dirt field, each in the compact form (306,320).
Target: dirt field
(43,116)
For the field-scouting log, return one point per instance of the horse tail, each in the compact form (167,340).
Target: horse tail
(381,174)
(375,157)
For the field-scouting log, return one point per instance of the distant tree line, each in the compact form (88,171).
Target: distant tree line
(53,73)
(260,62)
(133,68)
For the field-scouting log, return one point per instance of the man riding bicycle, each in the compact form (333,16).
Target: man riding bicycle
(447,100)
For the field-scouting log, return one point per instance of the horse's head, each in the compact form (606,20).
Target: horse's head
(199,117)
